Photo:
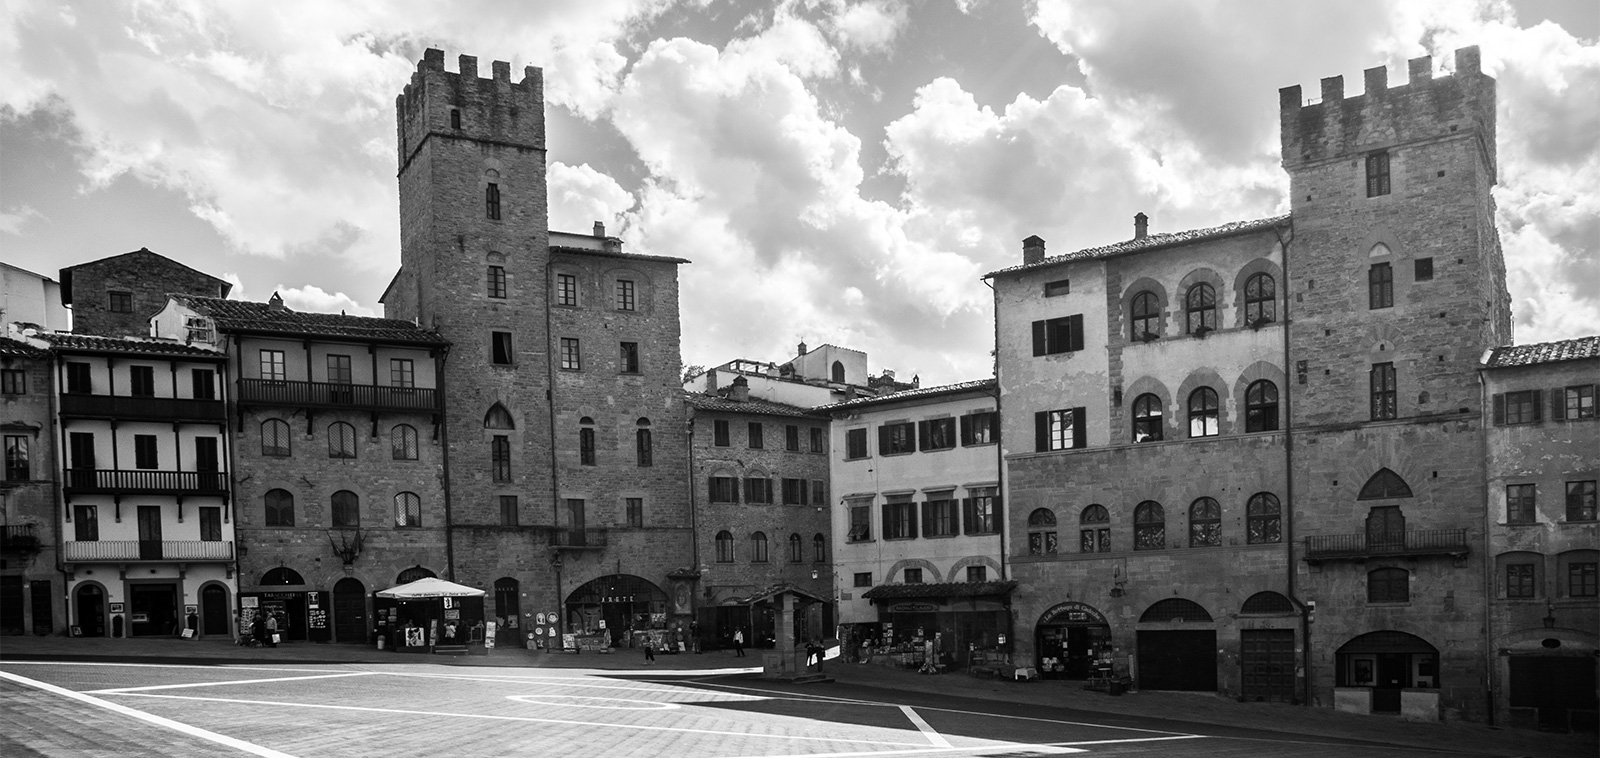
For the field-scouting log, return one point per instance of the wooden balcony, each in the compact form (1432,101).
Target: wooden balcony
(142,482)
(578,539)
(328,395)
(1413,543)
(128,551)
(128,408)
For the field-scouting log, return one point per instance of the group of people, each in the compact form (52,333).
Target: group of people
(264,629)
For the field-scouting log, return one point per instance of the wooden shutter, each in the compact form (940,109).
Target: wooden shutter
(1538,403)
(888,507)
(1079,434)
(927,517)
(883,440)
(1558,404)
(1499,409)
(1040,346)
(969,515)
(994,508)
(1075,333)
(994,425)
(923,432)
(913,514)
(1041,431)
(966,431)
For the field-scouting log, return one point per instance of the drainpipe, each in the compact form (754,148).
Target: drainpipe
(1490,661)
(443,426)
(1288,476)
(1000,471)
(550,413)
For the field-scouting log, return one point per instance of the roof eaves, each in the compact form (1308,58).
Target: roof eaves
(1148,244)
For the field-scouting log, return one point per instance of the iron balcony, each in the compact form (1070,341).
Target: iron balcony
(334,395)
(578,539)
(1411,543)
(129,408)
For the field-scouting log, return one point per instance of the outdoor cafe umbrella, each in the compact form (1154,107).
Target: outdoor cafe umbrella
(430,587)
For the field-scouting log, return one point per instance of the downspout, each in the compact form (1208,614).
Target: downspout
(1288,476)
(550,413)
(59,491)
(443,425)
(1490,663)
(1000,468)
(694,526)
(232,498)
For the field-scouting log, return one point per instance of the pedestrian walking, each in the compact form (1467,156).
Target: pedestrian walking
(272,630)
(738,643)
(694,635)
(649,652)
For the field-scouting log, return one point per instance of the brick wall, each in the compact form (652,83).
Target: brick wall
(147,276)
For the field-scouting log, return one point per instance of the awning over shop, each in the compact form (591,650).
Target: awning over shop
(941,590)
(801,594)
(429,588)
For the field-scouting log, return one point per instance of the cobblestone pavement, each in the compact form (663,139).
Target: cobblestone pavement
(310,699)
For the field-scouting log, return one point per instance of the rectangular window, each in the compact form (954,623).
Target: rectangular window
(796,492)
(566,289)
(586,454)
(1058,335)
(1522,407)
(1377,174)
(819,492)
(939,516)
(899,518)
(210,524)
(85,523)
(275,438)
(755,438)
(1520,504)
(791,438)
(936,434)
(119,301)
(628,359)
(1422,269)
(571,357)
(635,512)
(1520,581)
(913,575)
(198,329)
(1578,402)
(142,381)
(339,371)
(816,440)
(13,382)
(860,521)
(1581,580)
(497,282)
(144,451)
(644,448)
(1059,429)
(980,428)
(625,295)
(1581,501)
(273,368)
(1380,286)
(203,382)
(723,489)
(491,201)
(500,457)
(1382,387)
(982,511)
(508,510)
(897,439)
(863,579)
(500,351)
(855,444)
(719,433)
(78,381)
(1057,287)
(977,573)
(758,490)
(18,468)
(402,372)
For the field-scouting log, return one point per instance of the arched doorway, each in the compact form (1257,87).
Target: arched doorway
(507,612)
(214,610)
(414,573)
(1071,640)
(1388,662)
(1266,649)
(349,611)
(1174,657)
(620,604)
(91,607)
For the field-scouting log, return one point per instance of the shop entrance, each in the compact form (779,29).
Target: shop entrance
(1559,688)
(214,610)
(507,612)
(1267,665)
(1388,662)
(616,605)
(1072,641)
(289,608)
(91,607)
(11,620)
(154,608)
(349,611)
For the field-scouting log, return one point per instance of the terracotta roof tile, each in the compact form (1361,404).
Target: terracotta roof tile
(1544,352)
(1152,242)
(20,349)
(97,344)
(943,589)
(913,394)
(247,316)
(753,405)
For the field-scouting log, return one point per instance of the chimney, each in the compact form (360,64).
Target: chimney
(711,381)
(916,380)
(599,230)
(739,391)
(1141,226)
(275,303)
(1032,250)
(802,348)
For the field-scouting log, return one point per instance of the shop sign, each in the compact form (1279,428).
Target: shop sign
(1072,613)
(281,595)
(318,618)
(247,601)
(913,608)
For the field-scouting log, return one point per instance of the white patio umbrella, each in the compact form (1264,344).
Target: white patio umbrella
(430,587)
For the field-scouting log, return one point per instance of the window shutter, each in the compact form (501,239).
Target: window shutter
(711,489)
(913,513)
(1499,409)
(883,440)
(1079,434)
(1558,404)
(922,435)
(887,509)
(927,517)
(994,505)
(1039,341)
(969,515)
(994,426)
(1538,403)
(966,430)
(747,490)
(1075,333)
(1041,431)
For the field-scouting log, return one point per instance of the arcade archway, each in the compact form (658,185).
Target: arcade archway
(618,605)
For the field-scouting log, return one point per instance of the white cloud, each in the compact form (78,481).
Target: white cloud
(13,219)
(317,300)
(580,196)
(869,27)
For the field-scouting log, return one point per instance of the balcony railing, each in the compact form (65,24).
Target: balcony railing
(148,550)
(325,394)
(578,539)
(19,537)
(1411,543)
(154,408)
(139,482)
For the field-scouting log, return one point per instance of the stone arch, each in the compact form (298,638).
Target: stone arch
(498,417)
(1266,603)
(958,569)
(1163,306)
(1255,372)
(1200,275)
(927,567)
(1147,385)
(281,576)
(1384,484)
(1257,266)
(1202,377)
(214,620)
(1175,609)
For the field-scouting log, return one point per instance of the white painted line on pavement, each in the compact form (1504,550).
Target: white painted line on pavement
(227,667)
(1134,739)
(559,700)
(934,737)
(178,726)
(121,690)
(1009,748)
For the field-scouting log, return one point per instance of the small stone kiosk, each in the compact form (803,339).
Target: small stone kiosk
(783,661)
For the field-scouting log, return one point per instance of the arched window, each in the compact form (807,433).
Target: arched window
(797,548)
(1094,533)
(281,576)
(1147,422)
(1200,308)
(1260,299)
(280,508)
(403,441)
(838,372)
(1205,523)
(819,548)
(586,454)
(1149,526)
(412,574)
(643,444)
(341,440)
(346,509)
(1146,317)
(1384,485)
(1267,603)
(724,546)
(1263,519)
(1389,585)
(1261,407)
(1203,412)
(758,547)
(498,418)
(1174,609)
(275,438)
(407,510)
(1042,532)
(500,458)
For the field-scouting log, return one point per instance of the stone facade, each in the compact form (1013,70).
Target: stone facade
(116,296)
(29,543)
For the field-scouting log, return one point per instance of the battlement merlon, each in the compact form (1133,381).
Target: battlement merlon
(1458,105)
(493,110)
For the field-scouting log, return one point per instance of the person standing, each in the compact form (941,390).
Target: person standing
(738,643)
(694,636)
(649,652)
(272,630)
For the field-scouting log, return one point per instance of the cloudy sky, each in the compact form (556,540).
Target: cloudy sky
(838,171)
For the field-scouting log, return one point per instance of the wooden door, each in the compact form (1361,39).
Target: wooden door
(150,532)
(350,611)
(1267,665)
